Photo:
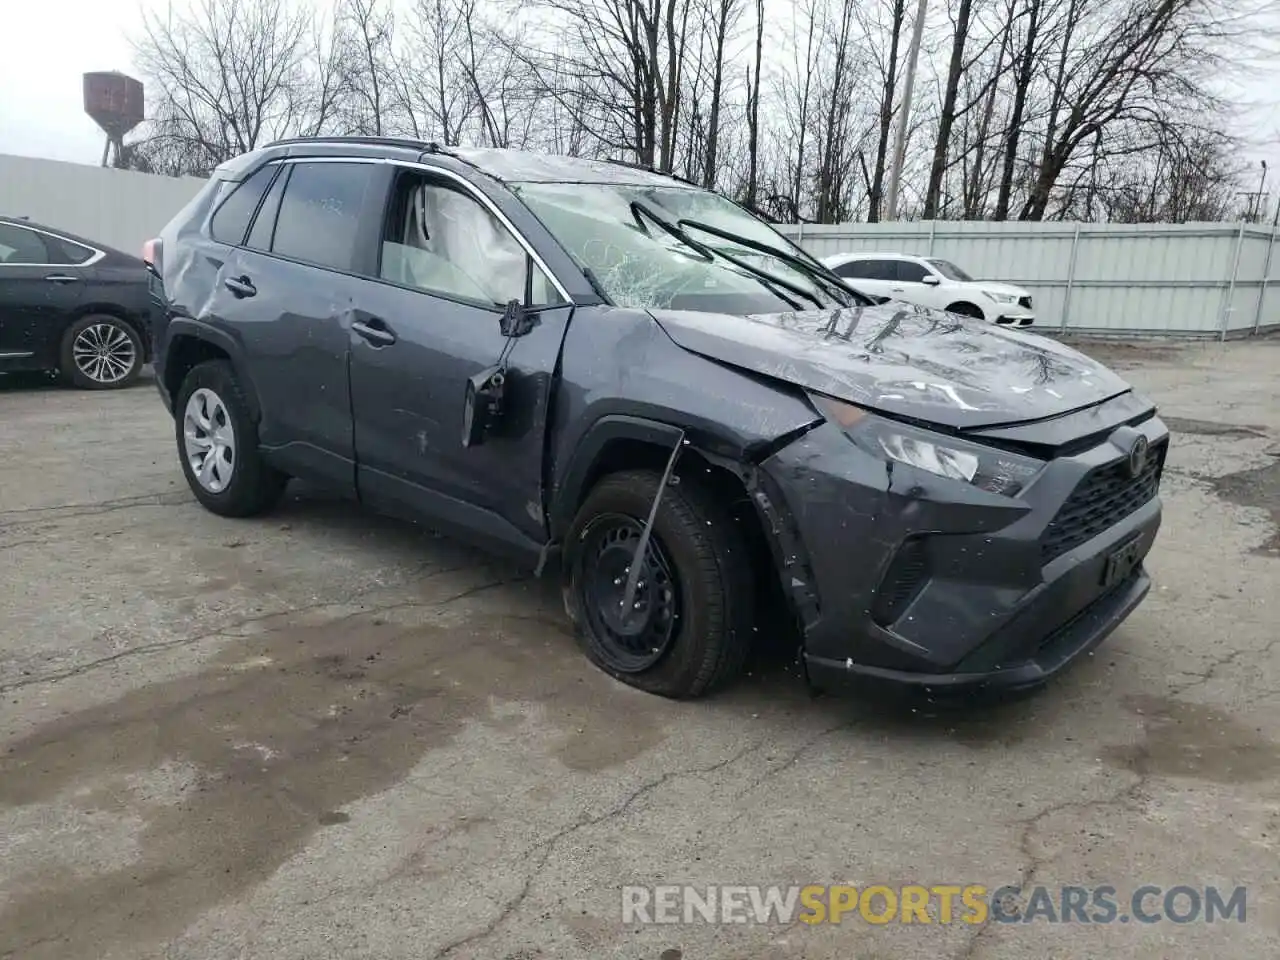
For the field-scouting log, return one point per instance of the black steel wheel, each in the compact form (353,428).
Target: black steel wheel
(686,631)
(630,638)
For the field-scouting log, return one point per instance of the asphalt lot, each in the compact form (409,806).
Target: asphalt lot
(327,734)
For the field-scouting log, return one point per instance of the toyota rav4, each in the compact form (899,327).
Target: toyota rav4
(639,383)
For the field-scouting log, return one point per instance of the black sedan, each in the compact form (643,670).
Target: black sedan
(72,306)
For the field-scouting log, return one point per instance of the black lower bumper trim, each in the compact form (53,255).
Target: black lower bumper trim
(1054,654)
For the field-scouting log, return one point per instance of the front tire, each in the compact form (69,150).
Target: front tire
(688,630)
(967,310)
(218,444)
(100,352)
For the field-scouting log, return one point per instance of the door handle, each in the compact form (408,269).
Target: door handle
(375,331)
(240,286)
(61,278)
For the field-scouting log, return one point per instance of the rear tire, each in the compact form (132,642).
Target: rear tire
(100,352)
(688,632)
(967,310)
(218,444)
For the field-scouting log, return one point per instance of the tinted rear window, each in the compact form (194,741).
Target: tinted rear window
(19,245)
(320,214)
(264,224)
(868,269)
(231,220)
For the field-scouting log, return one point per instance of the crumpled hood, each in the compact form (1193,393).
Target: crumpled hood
(905,360)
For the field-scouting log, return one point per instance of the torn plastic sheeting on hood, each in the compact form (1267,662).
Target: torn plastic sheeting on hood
(908,361)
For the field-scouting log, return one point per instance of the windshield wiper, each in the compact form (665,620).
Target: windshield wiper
(815,270)
(710,253)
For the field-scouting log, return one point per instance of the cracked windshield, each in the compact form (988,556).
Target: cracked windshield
(646,248)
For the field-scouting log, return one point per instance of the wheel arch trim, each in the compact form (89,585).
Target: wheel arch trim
(608,429)
(187,328)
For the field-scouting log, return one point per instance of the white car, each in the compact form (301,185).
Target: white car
(933,282)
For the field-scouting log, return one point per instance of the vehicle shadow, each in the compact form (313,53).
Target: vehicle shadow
(33,381)
(774,675)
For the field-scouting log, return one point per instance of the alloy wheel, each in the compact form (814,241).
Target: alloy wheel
(104,353)
(209,440)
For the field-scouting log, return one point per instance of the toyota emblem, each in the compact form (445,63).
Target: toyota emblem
(1138,456)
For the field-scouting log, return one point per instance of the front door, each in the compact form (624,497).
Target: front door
(912,288)
(447,266)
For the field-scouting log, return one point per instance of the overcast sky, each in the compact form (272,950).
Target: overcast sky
(49,44)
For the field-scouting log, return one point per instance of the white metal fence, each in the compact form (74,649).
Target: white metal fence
(1120,280)
(1188,280)
(119,208)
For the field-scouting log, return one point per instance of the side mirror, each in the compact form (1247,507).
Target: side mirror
(930,280)
(516,319)
(482,404)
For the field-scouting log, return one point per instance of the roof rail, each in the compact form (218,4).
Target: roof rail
(428,146)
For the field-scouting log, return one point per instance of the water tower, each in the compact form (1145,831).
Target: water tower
(115,103)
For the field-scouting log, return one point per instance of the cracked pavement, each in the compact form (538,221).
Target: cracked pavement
(329,734)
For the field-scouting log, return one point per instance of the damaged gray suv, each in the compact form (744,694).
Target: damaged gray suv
(638,383)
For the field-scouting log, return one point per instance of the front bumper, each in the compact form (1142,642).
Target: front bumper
(908,578)
(1016,318)
(1040,658)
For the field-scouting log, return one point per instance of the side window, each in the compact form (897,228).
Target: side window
(909,272)
(264,224)
(320,213)
(854,268)
(882,269)
(439,239)
(66,253)
(20,245)
(231,219)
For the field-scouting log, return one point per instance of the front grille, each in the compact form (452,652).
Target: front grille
(1024,302)
(1101,500)
(902,581)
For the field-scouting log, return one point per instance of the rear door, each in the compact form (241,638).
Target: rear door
(427,321)
(289,233)
(876,277)
(43,281)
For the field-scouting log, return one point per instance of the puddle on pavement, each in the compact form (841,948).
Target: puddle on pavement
(1183,739)
(1259,487)
(284,730)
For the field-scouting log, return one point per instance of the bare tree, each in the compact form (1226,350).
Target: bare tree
(1033,108)
(229,75)
(365,32)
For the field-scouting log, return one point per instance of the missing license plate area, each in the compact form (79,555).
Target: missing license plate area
(1121,561)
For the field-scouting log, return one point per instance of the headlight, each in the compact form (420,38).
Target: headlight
(995,471)
(999,297)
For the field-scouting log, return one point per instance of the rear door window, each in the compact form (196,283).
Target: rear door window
(65,252)
(18,245)
(264,224)
(319,218)
(870,269)
(854,268)
(231,219)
